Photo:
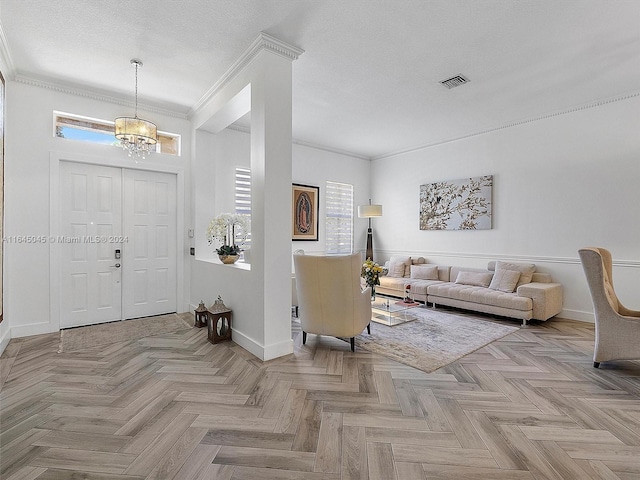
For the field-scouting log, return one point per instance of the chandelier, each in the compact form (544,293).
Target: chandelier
(137,136)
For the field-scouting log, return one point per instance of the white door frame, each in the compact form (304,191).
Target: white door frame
(54,221)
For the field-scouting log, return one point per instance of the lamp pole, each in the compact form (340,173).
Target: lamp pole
(369,253)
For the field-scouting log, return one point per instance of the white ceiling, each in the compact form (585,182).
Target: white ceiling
(368,80)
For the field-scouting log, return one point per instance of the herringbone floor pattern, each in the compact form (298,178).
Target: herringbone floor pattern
(529,406)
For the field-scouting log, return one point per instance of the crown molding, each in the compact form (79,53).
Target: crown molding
(275,45)
(586,106)
(264,42)
(239,128)
(330,149)
(94,95)
(6,62)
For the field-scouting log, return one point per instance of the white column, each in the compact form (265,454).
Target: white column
(260,82)
(271,197)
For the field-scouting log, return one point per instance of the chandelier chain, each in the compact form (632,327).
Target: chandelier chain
(136,111)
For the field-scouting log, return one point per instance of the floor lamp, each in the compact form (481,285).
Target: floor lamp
(369,211)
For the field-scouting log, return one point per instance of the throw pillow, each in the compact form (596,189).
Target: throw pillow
(396,270)
(404,259)
(478,279)
(526,270)
(505,280)
(424,272)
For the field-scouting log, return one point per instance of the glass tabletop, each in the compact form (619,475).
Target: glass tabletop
(392,311)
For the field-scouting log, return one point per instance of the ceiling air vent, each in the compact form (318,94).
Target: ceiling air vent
(455,81)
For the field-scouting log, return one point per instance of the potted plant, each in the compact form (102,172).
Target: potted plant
(231,231)
(371,272)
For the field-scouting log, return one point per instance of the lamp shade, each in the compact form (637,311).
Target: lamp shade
(136,130)
(368,211)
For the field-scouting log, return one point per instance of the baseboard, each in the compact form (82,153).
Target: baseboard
(264,353)
(4,341)
(278,350)
(33,329)
(578,315)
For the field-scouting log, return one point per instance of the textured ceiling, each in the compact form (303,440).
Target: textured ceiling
(368,80)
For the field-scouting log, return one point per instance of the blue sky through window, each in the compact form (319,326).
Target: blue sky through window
(88,136)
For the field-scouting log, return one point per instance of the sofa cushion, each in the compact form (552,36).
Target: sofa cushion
(424,272)
(480,295)
(526,270)
(479,279)
(396,269)
(505,280)
(420,287)
(393,283)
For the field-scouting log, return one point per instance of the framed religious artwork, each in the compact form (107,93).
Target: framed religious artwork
(305,212)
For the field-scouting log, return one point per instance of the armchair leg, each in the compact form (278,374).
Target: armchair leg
(304,337)
(353,344)
(596,364)
(369,328)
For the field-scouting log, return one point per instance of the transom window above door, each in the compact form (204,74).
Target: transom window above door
(93,130)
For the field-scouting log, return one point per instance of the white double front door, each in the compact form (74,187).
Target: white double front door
(118,244)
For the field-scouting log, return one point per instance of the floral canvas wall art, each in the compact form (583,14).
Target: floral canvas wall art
(463,204)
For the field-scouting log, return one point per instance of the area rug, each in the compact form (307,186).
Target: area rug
(80,338)
(434,339)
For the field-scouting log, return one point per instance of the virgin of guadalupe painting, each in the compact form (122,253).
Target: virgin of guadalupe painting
(305,212)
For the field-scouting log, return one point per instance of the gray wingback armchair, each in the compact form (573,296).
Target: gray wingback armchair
(617,327)
(330,301)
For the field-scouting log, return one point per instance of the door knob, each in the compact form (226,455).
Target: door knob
(117,265)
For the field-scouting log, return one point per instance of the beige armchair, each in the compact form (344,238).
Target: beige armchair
(617,327)
(330,301)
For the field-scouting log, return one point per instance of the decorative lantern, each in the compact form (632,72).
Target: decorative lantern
(219,327)
(201,315)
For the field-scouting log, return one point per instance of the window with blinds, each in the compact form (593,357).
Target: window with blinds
(339,218)
(243,195)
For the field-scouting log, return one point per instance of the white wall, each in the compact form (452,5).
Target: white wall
(29,145)
(214,184)
(560,184)
(315,167)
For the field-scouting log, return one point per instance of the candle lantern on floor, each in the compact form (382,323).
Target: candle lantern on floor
(201,315)
(219,322)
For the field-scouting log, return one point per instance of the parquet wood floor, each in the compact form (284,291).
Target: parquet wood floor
(529,406)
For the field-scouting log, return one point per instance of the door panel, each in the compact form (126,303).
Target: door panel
(149,259)
(90,213)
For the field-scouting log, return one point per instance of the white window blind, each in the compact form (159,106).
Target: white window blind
(243,195)
(339,218)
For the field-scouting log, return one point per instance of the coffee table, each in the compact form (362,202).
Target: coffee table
(392,311)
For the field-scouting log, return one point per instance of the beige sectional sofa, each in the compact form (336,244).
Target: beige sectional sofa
(507,289)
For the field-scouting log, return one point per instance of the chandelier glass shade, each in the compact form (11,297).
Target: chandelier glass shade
(137,136)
